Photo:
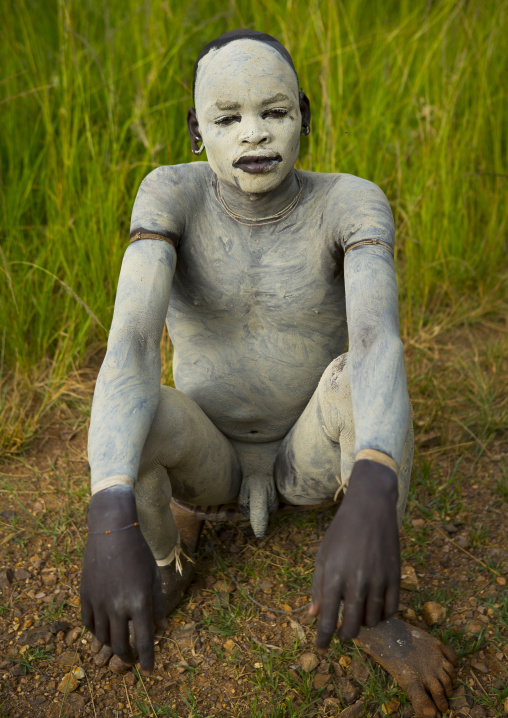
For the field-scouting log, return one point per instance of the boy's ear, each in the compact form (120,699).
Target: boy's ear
(193,130)
(305,110)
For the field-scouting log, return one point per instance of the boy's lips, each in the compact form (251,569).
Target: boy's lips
(256,163)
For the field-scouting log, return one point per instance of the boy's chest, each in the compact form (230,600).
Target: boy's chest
(283,271)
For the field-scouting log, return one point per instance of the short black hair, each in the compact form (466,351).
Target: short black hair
(241,34)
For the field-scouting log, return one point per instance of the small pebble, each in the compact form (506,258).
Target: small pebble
(72,635)
(68,683)
(103,656)
(389,707)
(338,670)
(462,541)
(68,659)
(347,690)
(324,667)
(308,662)
(96,645)
(320,680)
(481,667)
(331,703)
(299,631)
(418,523)
(354,711)
(409,580)
(433,613)
(21,575)
(58,626)
(474,628)
(359,671)
(450,528)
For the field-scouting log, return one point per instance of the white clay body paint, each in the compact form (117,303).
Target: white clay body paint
(259,317)
(250,110)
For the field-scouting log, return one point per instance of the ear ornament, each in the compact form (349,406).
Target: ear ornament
(198,152)
(305,130)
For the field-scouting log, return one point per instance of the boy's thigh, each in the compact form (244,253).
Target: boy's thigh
(317,456)
(201,463)
(307,467)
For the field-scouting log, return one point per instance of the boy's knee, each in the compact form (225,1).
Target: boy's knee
(334,398)
(171,426)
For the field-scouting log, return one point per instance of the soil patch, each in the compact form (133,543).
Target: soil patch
(223,655)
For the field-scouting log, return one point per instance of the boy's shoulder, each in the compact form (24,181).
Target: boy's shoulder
(190,173)
(340,185)
(167,196)
(352,207)
(341,191)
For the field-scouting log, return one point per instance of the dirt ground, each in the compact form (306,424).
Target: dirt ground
(223,655)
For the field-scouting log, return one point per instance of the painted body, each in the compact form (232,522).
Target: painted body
(266,276)
(256,314)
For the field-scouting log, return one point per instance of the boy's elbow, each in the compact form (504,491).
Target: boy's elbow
(378,339)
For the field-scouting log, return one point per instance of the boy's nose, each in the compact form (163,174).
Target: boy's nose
(253,133)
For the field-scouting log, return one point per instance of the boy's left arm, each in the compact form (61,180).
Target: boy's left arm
(359,560)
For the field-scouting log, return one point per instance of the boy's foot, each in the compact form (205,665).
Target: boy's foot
(420,663)
(176,577)
(189,525)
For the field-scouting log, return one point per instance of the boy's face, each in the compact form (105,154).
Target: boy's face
(247,106)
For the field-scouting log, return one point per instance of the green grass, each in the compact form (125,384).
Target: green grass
(461,642)
(500,607)
(408,94)
(30,657)
(54,612)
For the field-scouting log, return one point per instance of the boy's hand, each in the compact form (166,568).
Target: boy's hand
(120,579)
(358,561)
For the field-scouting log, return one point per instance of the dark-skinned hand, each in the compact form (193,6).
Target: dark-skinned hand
(120,579)
(358,561)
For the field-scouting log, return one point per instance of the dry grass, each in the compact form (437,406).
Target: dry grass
(458,374)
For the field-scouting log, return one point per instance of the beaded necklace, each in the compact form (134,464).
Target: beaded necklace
(252,221)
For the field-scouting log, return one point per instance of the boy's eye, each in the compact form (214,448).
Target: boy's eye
(227,120)
(276,112)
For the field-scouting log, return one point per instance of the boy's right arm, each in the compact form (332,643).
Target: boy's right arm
(120,580)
